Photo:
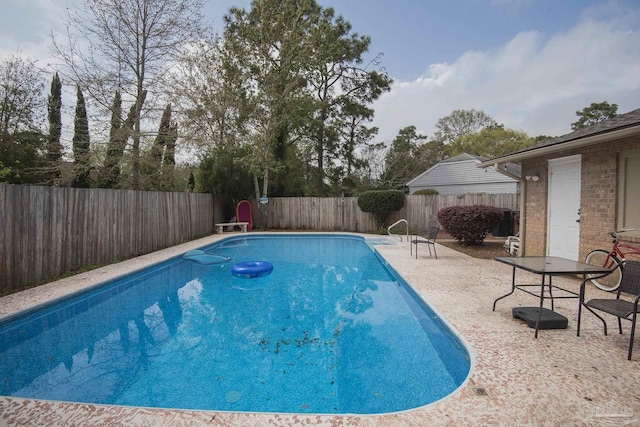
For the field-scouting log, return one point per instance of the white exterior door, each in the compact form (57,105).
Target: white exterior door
(563,211)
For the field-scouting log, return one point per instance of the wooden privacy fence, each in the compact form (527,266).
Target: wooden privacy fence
(318,213)
(343,213)
(48,231)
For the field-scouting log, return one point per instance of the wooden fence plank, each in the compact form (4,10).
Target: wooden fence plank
(4,238)
(39,230)
(25,234)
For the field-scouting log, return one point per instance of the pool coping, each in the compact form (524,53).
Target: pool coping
(514,380)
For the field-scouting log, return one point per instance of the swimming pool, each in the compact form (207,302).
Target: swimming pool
(331,330)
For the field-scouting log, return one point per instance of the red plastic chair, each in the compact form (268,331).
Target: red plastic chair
(243,213)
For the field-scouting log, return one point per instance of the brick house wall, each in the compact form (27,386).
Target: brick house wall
(598,198)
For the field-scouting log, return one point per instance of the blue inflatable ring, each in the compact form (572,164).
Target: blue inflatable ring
(251,269)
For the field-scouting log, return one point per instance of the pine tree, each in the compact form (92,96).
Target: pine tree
(595,113)
(81,153)
(402,161)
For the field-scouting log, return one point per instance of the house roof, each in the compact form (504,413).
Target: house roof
(620,126)
(463,157)
(512,168)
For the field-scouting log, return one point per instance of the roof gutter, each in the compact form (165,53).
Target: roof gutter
(562,146)
(505,172)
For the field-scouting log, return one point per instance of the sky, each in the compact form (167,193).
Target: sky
(529,64)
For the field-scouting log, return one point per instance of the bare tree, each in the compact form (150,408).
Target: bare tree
(21,99)
(21,120)
(130,46)
(213,108)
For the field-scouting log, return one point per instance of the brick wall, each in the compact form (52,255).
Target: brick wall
(536,206)
(598,198)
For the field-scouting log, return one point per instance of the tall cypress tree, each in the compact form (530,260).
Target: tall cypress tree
(81,153)
(151,165)
(157,151)
(192,181)
(110,173)
(54,148)
(169,159)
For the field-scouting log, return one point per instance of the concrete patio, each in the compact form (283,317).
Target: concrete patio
(556,379)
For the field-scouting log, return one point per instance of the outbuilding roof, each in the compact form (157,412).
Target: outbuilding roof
(512,169)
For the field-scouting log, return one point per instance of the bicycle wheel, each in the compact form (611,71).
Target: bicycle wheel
(601,258)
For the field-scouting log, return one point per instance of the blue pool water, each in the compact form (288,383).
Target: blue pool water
(331,330)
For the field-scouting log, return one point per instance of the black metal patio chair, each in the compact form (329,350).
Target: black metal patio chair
(428,238)
(620,308)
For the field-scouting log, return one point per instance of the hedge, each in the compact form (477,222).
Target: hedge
(470,224)
(381,203)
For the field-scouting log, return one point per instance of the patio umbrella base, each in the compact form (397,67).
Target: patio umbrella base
(548,319)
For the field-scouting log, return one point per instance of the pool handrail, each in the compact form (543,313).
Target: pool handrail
(400,221)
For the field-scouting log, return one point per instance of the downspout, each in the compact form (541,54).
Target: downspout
(522,227)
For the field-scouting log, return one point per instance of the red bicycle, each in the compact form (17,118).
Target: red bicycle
(613,259)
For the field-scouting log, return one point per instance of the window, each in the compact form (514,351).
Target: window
(628,193)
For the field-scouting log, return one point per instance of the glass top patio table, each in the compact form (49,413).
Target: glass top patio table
(551,265)
(548,266)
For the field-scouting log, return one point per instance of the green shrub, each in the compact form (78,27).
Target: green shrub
(470,224)
(426,192)
(381,203)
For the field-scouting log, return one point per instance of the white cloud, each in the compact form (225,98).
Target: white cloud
(530,83)
(26,26)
